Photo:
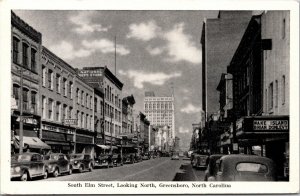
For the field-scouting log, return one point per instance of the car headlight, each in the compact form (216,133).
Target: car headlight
(75,162)
(17,169)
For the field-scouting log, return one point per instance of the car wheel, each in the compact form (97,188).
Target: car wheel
(70,171)
(55,173)
(25,176)
(90,167)
(45,176)
(107,166)
(80,169)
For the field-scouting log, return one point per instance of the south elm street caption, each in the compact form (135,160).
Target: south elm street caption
(147,185)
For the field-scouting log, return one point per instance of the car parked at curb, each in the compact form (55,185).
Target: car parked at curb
(103,161)
(26,166)
(57,164)
(81,162)
(239,167)
(212,169)
(175,157)
(200,161)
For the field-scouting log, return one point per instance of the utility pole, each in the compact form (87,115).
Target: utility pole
(21,113)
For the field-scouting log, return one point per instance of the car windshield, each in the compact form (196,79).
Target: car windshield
(76,156)
(251,167)
(21,157)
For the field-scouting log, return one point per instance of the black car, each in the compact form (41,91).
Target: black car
(81,162)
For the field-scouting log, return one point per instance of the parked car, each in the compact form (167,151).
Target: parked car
(57,164)
(81,162)
(117,159)
(129,158)
(103,161)
(146,156)
(212,168)
(200,161)
(25,166)
(244,168)
(175,156)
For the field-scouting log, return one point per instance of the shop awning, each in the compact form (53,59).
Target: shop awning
(103,146)
(58,143)
(34,142)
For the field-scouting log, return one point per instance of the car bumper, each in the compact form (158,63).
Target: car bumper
(101,164)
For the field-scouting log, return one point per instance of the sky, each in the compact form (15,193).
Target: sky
(155,49)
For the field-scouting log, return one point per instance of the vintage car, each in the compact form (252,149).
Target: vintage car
(175,157)
(212,169)
(103,161)
(81,162)
(200,161)
(117,159)
(57,164)
(25,166)
(239,167)
(146,156)
(129,158)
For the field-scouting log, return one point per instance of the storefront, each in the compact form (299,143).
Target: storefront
(84,141)
(269,134)
(59,137)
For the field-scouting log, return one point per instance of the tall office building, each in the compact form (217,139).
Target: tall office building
(160,111)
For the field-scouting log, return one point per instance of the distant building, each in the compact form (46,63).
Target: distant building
(160,111)
(220,38)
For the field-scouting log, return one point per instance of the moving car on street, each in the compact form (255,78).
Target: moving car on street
(212,167)
(25,166)
(103,161)
(146,156)
(57,164)
(81,162)
(239,167)
(175,156)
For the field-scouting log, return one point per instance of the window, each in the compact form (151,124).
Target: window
(58,83)
(50,79)
(44,72)
(82,120)
(44,107)
(91,102)
(101,107)
(86,100)
(95,104)
(65,112)
(82,98)
(276,94)
(78,95)
(87,121)
(50,109)
(270,104)
(33,59)
(113,99)
(58,117)
(71,90)
(25,55)
(283,89)
(33,101)
(70,113)
(65,87)
(78,118)
(16,91)
(25,99)
(283,28)
(16,50)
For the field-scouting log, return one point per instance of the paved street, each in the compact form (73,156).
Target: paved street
(159,169)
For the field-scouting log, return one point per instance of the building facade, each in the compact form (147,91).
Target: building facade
(26,50)
(112,88)
(220,38)
(160,111)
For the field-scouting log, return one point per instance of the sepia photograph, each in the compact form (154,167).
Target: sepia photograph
(151,99)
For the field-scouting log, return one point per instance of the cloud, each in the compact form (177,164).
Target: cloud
(105,46)
(180,47)
(190,109)
(141,77)
(84,24)
(66,50)
(143,31)
(155,51)
(183,130)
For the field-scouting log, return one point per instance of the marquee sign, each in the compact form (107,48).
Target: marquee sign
(270,125)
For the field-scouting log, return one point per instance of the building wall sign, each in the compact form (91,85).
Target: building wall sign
(92,75)
(270,125)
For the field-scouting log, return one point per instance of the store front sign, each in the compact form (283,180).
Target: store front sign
(28,120)
(270,125)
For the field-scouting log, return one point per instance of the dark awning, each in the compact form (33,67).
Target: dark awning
(33,142)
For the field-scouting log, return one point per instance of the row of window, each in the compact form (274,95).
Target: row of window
(29,98)
(273,92)
(98,106)
(109,127)
(163,105)
(111,112)
(84,99)
(109,96)
(22,50)
(62,85)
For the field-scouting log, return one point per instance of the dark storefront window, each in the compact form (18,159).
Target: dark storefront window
(33,101)
(95,104)
(16,91)
(25,99)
